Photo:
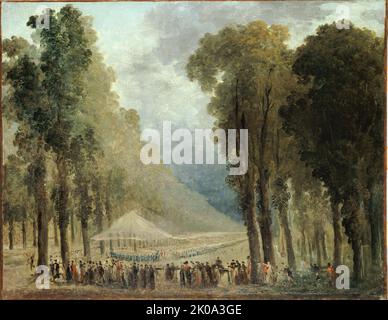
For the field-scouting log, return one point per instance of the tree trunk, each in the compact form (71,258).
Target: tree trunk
(85,238)
(357,259)
(11,231)
(303,251)
(310,252)
(108,212)
(41,209)
(375,214)
(253,236)
(352,222)
(264,219)
(85,205)
(24,234)
(317,246)
(72,227)
(34,233)
(324,248)
(337,235)
(63,215)
(288,237)
(282,246)
(55,226)
(375,242)
(298,245)
(64,245)
(98,213)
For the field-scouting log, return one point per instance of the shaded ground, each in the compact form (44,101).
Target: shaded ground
(19,284)
(246,292)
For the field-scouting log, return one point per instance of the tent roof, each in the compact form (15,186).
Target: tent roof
(132,226)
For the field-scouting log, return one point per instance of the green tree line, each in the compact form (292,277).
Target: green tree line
(62,171)
(72,152)
(316,141)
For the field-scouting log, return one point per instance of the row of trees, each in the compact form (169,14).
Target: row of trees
(72,152)
(315,121)
(59,171)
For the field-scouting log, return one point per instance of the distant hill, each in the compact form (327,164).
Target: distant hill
(180,209)
(209,181)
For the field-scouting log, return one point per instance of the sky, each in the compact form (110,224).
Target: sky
(148,44)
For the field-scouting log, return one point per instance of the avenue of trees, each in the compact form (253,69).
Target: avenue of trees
(72,163)
(60,107)
(314,186)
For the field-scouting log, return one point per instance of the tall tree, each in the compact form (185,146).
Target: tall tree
(301,182)
(280,201)
(13,205)
(15,198)
(338,135)
(28,107)
(98,212)
(246,69)
(64,59)
(83,152)
(284,150)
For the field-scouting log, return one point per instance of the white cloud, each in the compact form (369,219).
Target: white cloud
(148,44)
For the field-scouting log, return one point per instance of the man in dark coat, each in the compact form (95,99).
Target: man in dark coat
(182,276)
(68,273)
(135,270)
(152,278)
(167,272)
(142,277)
(56,268)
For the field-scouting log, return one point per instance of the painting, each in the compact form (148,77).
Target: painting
(198,150)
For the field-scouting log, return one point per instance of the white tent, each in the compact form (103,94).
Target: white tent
(134,227)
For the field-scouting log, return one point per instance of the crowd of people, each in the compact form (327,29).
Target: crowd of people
(204,275)
(132,275)
(110,272)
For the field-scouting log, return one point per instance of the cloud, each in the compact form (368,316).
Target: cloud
(151,66)
(148,44)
